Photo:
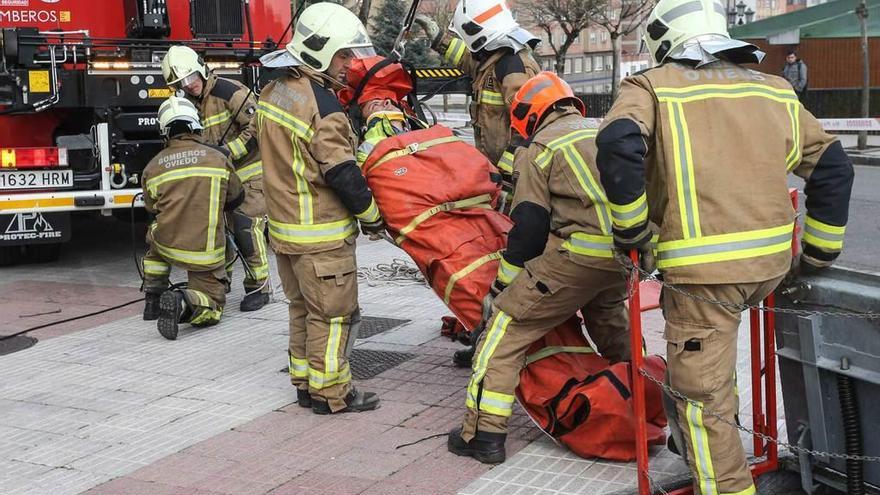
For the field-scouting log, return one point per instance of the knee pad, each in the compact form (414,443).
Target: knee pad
(242,226)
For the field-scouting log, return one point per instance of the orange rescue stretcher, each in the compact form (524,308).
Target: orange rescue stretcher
(763,374)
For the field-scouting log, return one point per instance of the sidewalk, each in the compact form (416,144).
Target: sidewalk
(117,409)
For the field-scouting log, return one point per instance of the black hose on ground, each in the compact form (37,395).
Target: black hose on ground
(852,430)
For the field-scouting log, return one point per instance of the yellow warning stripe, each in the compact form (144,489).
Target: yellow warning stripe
(35,203)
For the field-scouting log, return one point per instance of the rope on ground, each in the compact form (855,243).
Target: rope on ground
(399,273)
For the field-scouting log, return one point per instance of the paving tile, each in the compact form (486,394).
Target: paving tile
(319,483)
(129,486)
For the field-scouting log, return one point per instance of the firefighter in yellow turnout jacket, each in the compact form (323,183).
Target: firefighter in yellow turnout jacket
(488,45)
(701,147)
(187,186)
(227,104)
(558,260)
(316,195)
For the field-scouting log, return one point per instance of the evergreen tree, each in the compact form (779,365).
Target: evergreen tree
(384,28)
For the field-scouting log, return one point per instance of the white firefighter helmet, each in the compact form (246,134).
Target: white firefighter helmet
(322,30)
(177,109)
(181,64)
(479,22)
(673,23)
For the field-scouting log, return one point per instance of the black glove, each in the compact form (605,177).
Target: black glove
(647,262)
(374,230)
(803,265)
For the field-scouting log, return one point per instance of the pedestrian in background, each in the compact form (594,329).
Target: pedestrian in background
(795,72)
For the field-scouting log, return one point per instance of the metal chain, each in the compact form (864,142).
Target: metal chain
(794,448)
(628,265)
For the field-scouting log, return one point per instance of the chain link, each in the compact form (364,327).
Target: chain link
(794,448)
(644,275)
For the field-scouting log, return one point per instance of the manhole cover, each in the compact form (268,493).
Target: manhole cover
(374,325)
(15,344)
(367,363)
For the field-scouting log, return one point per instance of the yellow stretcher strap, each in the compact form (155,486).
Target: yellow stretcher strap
(481,201)
(464,272)
(556,349)
(413,149)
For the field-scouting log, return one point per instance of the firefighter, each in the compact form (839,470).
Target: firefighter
(187,186)
(701,146)
(381,103)
(489,46)
(316,194)
(558,260)
(227,104)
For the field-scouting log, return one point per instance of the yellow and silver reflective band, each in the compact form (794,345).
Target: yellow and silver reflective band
(303,189)
(298,368)
(205,258)
(599,246)
(491,402)
(685,184)
(214,212)
(544,158)
(507,272)
(822,235)
(312,233)
(794,156)
(261,271)
(481,364)
(706,91)
(724,247)
(590,186)
(237,148)
(156,268)
(331,353)
(299,128)
(248,172)
(371,214)
(216,119)
(748,491)
(632,214)
(491,98)
(454,52)
(206,316)
(505,163)
(321,380)
(185,173)
(464,272)
(700,443)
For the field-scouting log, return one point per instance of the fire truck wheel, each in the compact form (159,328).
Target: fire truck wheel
(44,253)
(10,255)
(779,483)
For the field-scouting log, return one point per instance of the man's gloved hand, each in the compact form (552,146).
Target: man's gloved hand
(803,265)
(432,30)
(375,230)
(647,262)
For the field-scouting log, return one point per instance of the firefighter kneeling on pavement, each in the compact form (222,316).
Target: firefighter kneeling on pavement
(226,108)
(701,146)
(558,260)
(316,195)
(187,186)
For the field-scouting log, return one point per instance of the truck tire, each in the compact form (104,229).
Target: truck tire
(44,253)
(779,483)
(10,255)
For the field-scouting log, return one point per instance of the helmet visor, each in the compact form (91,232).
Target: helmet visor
(362,52)
(186,80)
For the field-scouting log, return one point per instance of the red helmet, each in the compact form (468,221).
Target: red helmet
(535,97)
(391,82)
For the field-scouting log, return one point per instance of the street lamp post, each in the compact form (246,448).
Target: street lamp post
(739,14)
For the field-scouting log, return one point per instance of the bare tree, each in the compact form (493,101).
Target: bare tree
(620,18)
(570,16)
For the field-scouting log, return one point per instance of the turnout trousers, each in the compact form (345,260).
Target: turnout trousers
(248,224)
(205,294)
(322,289)
(549,290)
(701,353)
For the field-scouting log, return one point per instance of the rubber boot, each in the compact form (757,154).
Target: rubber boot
(356,401)
(485,447)
(464,358)
(253,301)
(303,398)
(171,306)
(151,306)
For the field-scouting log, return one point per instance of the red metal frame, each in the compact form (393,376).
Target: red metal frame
(763,360)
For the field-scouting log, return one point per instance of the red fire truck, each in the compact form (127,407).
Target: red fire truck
(80,82)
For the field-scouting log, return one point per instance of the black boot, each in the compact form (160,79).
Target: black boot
(485,447)
(355,401)
(464,358)
(171,306)
(303,398)
(151,306)
(254,301)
